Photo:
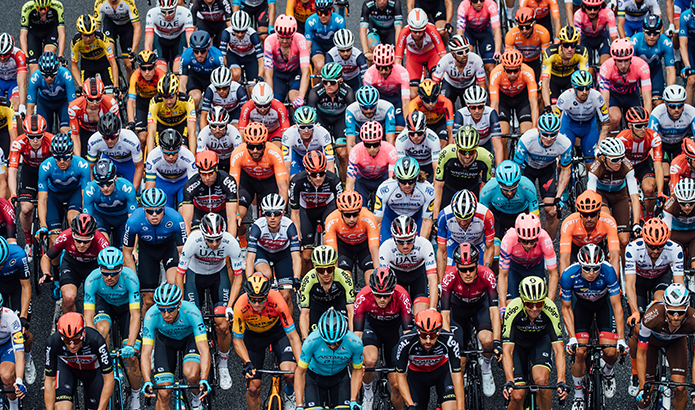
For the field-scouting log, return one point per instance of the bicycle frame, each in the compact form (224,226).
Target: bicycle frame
(120,379)
(382,393)
(178,396)
(274,399)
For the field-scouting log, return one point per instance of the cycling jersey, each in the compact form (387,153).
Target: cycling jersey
(292,143)
(632,12)
(189,322)
(222,146)
(676,218)
(602,178)
(155,23)
(20,148)
(183,110)
(473,72)
(190,66)
(274,311)
(332,106)
(611,80)
(487,127)
(312,290)
(525,197)
(605,21)
(271,164)
(354,67)
(171,228)
(276,120)
(157,167)
(638,262)
(653,55)
(443,110)
(362,164)
(388,18)
(680,168)
(79,117)
(468,17)
(249,45)
(127,148)
(11,330)
(639,151)
(512,250)
(304,195)
(274,60)
(396,84)
(94,353)
(518,327)
(300,10)
(569,106)
(252,3)
(655,323)
(52,178)
(16,267)
(321,359)
(456,176)
(125,12)
(574,233)
(121,202)
(398,308)
(384,114)
(145,90)
(16,63)
(260,236)
(421,255)
(412,355)
(500,84)
(572,282)
(99,48)
(201,259)
(672,131)
(212,198)
(484,286)
(530,47)
(62,89)
(65,242)
(554,66)
(530,150)
(391,201)
(234,99)
(426,152)
(364,230)
(542,8)
(219,10)
(32,20)
(687,24)
(481,229)
(431,42)
(125,291)
(316,31)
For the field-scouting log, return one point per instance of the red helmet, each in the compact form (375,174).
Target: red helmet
(93,88)
(622,49)
(637,115)
(206,161)
(383,55)
(512,58)
(525,15)
(315,161)
(383,280)
(83,225)
(371,131)
(285,25)
(688,147)
(71,325)
(528,226)
(428,321)
(34,124)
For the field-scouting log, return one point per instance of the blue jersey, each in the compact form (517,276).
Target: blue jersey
(385,114)
(314,30)
(653,55)
(530,150)
(572,281)
(321,359)
(54,179)
(126,290)
(16,266)
(62,89)
(687,27)
(170,228)
(524,199)
(192,67)
(189,322)
(121,201)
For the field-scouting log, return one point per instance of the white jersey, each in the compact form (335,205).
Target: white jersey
(638,262)
(594,105)
(487,127)
(473,72)
(672,132)
(3,167)
(11,330)
(222,146)
(260,237)
(422,254)
(9,69)
(354,117)
(170,30)
(124,13)
(183,168)
(391,201)
(474,234)
(242,48)
(234,99)
(198,257)
(530,151)
(351,68)
(320,141)
(426,152)
(127,147)
(635,12)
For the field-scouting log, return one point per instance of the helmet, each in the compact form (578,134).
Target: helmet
(467,138)
(110,125)
(4,250)
(83,225)
(323,5)
(349,201)
(508,173)
(533,289)
(652,22)
(406,168)
(240,21)
(6,44)
(512,58)
(590,256)
(324,255)
(676,295)
(417,19)
(417,121)
(403,227)
(383,280)
(332,71)
(636,115)
(315,161)
(612,147)
(206,161)
(688,147)
(525,15)
(273,202)
(458,42)
(48,64)
(93,88)
(167,4)
(170,140)
(464,204)
(42,3)
(475,95)
(305,115)
(212,226)
(656,232)
(262,94)
(285,26)
(200,39)
(428,321)
(592,3)
(428,90)
(383,54)
(146,57)
(168,85)
(588,202)
(685,190)
(167,294)
(675,94)
(62,144)
(221,77)
(466,254)
(255,133)
(153,198)
(568,34)
(622,49)
(104,170)
(344,39)
(371,131)
(581,78)
(110,258)
(548,123)
(332,326)
(218,115)
(528,226)
(71,325)
(367,96)
(34,124)
(257,285)
(86,24)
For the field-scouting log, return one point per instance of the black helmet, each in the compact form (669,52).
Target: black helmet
(170,140)
(652,23)
(200,39)
(109,124)
(104,170)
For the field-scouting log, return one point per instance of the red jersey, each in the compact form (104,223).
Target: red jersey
(484,285)
(680,169)
(398,308)
(65,242)
(638,151)
(20,148)
(77,111)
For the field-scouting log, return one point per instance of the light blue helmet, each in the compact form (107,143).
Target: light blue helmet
(110,258)
(332,326)
(4,250)
(406,168)
(548,123)
(153,198)
(367,96)
(167,294)
(508,173)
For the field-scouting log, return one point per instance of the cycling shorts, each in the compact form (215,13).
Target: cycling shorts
(124,33)
(464,313)
(390,215)
(66,384)
(368,187)
(173,190)
(198,215)
(686,239)
(539,353)
(350,256)
(251,188)
(90,68)
(503,221)
(149,257)
(249,63)
(84,136)
(311,218)
(547,179)
(257,13)
(317,308)
(28,181)
(453,93)
(7,352)
(632,27)
(440,129)
(517,272)
(585,311)
(484,41)
(165,356)
(9,89)
(397,108)
(625,101)
(283,83)
(676,354)
(416,63)
(120,314)
(214,28)
(600,43)
(37,40)
(257,343)
(420,384)
(645,287)
(383,335)
(12,295)
(355,83)
(644,169)
(658,82)
(74,272)
(336,386)
(436,10)
(519,104)
(169,50)
(415,283)
(586,131)
(671,151)
(47,108)
(319,48)
(558,85)
(282,264)
(385,36)
(619,203)
(55,211)
(218,283)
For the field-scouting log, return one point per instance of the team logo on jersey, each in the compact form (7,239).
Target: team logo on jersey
(329,149)
(18,338)
(377,203)
(430,208)
(285,150)
(604,109)
(169,224)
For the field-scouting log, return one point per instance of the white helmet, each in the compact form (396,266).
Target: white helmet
(221,77)
(675,94)
(417,19)
(475,95)
(676,295)
(344,39)
(240,21)
(273,202)
(685,190)
(6,44)
(168,4)
(611,147)
(262,93)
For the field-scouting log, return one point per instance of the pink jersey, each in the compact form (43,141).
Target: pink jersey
(477,20)
(606,20)
(17,63)
(389,87)
(430,41)
(367,166)
(272,56)
(511,250)
(611,80)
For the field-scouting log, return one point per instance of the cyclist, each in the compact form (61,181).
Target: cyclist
(172,326)
(197,63)
(683,166)
(306,135)
(93,50)
(51,88)
(13,75)
(480,23)
(653,47)
(537,153)
(547,14)
(320,29)
(420,143)
(112,294)
(12,341)
(560,61)
(168,30)
(219,136)
(8,125)
(262,11)
(677,215)
(169,166)
(368,106)
(77,353)
(266,110)
(113,18)
(531,39)
(391,80)
(211,261)
(478,114)
(42,29)
(472,290)
(223,92)
(212,16)
(85,112)
(531,331)
(143,86)
(324,287)
(352,60)
(459,70)
(381,21)
(438,109)
(262,319)
(673,121)
(589,289)
(301,10)
(120,145)
(110,200)
(632,14)
(371,161)
(241,45)
(685,32)
(164,245)
(596,24)
(171,109)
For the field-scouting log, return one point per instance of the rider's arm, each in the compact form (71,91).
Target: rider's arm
(403,386)
(186,211)
(304,322)
(438,192)
(128,259)
(441,258)
(552,283)
(559,349)
(683,40)
(49,391)
(433,281)
(145,362)
(621,24)
(61,41)
(299,383)
(137,33)
(641,363)
(204,350)
(12,180)
(631,292)
(564,179)
(231,209)
(42,203)
(75,70)
(568,317)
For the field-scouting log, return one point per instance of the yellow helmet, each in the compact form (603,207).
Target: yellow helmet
(168,85)
(86,24)
(42,3)
(146,57)
(428,90)
(568,34)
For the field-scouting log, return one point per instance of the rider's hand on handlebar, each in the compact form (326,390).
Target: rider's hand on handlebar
(47,277)
(147,389)
(562,391)
(127,352)
(354,405)
(249,370)
(229,311)
(497,347)
(296,283)
(671,29)
(19,388)
(623,348)
(507,390)
(633,319)
(685,72)
(636,229)
(204,388)
(571,347)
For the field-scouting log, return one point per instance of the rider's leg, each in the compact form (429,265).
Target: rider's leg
(541,375)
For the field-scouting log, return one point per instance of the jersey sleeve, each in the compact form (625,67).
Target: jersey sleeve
(90,290)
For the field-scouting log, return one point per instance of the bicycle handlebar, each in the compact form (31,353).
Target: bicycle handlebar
(275,372)
(533,388)
(380,369)
(668,383)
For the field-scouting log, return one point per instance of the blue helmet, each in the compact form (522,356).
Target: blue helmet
(367,96)
(110,258)
(200,40)
(153,198)
(4,251)
(508,173)
(167,294)
(322,5)
(48,64)
(332,326)
(548,123)
(62,144)
(104,170)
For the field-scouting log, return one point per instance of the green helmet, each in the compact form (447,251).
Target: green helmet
(467,138)
(324,255)
(407,168)
(332,71)
(581,78)
(305,115)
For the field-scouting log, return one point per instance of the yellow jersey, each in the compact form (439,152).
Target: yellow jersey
(98,49)
(553,66)
(183,110)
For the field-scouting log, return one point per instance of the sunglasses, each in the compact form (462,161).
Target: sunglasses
(255,147)
(616,160)
(528,242)
(317,174)
(525,27)
(75,340)
(272,213)
(63,157)
(167,309)
(592,268)
(384,67)
(508,189)
(592,8)
(430,100)
(329,82)
(466,269)
(368,107)
(214,240)
(146,67)
(549,136)
(687,203)
(169,12)
(679,313)
(42,8)
(170,152)
(111,274)
(34,136)
(218,126)
(476,1)
(427,335)
(639,126)
(156,211)
(49,75)
(584,88)
(655,247)
(536,305)
(407,181)
(569,45)
(94,100)
(327,269)
(416,133)
(405,241)
(476,107)
(239,32)
(461,53)
(676,106)
(200,50)
(305,127)
(106,184)
(345,50)
(257,301)
(351,214)
(652,33)
(468,152)
(324,12)
(382,295)
(82,241)
(220,89)
(589,214)
(372,144)
(511,71)
(110,137)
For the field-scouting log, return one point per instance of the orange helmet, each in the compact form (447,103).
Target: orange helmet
(206,161)
(314,161)
(688,147)
(637,115)
(255,133)
(588,202)
(512,58)
(428,321)
(34,124)
(655,232)
(525,15)
(93,88)
(348,201)
(71,325)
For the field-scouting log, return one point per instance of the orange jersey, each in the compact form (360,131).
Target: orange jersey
(77,111)
(680,168)
(443,109)
(573,231)
(639,151)
(542,7)
(531,47)
(299,10)
(364,230)
(259,322)
(139,87)
(499,83)
(271,163)
(20,148)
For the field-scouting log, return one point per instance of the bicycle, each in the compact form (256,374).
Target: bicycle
(121,385)
(577,183)
(5,402)
(382,392)
(209,316)
(179,396)
(530,399)
(664,386)
(274,401)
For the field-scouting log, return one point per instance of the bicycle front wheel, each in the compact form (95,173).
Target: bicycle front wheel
(274,403)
